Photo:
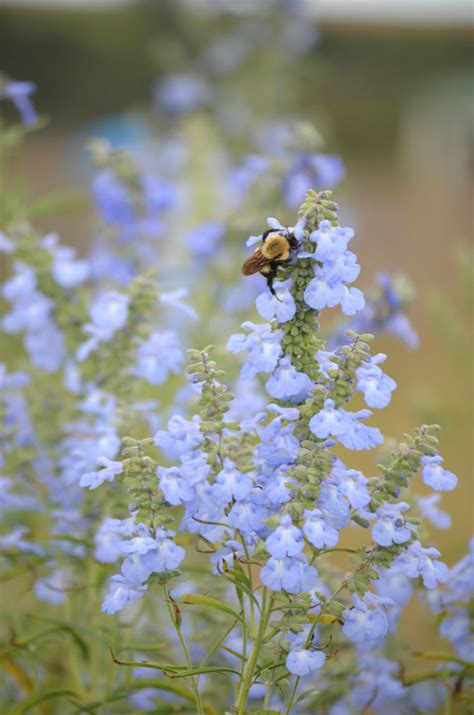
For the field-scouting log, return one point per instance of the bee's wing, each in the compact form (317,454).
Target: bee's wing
(254,263)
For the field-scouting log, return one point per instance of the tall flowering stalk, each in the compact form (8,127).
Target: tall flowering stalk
(270,496)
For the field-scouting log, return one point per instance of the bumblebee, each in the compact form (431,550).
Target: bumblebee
(275,251)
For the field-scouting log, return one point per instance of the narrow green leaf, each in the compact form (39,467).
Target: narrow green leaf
(26,705)
(198,600)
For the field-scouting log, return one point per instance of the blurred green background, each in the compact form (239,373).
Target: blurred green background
(394,98)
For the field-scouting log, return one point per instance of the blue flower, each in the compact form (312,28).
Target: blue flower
(120,593)
(181,437)
(289,574)
(67,270)
(376,387)
(224,558)
(92,480)
(157,554)
(318,531)
(279,445)
(182,93)
(435,476)
(204,240)
(394,584)
(176,489)
(173,299)
(51,589)
(286,383)
(112,199)
(343,269)
(319,293)
(333,504)
(331,241)
(231,484)
(108,538)
(158,357)
(20,94)
(282,306)
(417,561)
(286,540)
(263,346)
(330,421)
(310,170)
(428,507)
(247,516)
(391,527)
(109,312)
(302,661)
(45,347)
(353,485)
(367,621)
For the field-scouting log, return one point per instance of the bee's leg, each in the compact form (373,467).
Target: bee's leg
(270,276)
(266,233)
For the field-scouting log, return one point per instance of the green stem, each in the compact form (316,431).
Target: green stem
(177,627)
(309,640)
(246,682)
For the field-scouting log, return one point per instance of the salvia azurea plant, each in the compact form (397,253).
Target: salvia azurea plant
(237,560)
(271,496)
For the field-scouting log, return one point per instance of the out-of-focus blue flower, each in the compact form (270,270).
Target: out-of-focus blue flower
(109,312)
(181,437)
(120,593)
(68,271)
(376,387)
(302,661)
(158,357)
(112,199)
(173,299)
(182,93)
(377,685)
(108,538)
(390,527)
(394,584)
(287,383)
(417,561)
(243,177)
(436,476)
(204,240)
(6,244)
(428,507)
(51,589)
(309,171)
(20,94)
(282,306)
(367,621)
(92,480)
(286,540)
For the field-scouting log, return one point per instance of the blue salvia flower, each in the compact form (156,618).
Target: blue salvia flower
(367,621)
(436,476)
(302,661)
(429,509)
(376,387)
(418,561)
(20,94)
(158,357)
(391,527)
